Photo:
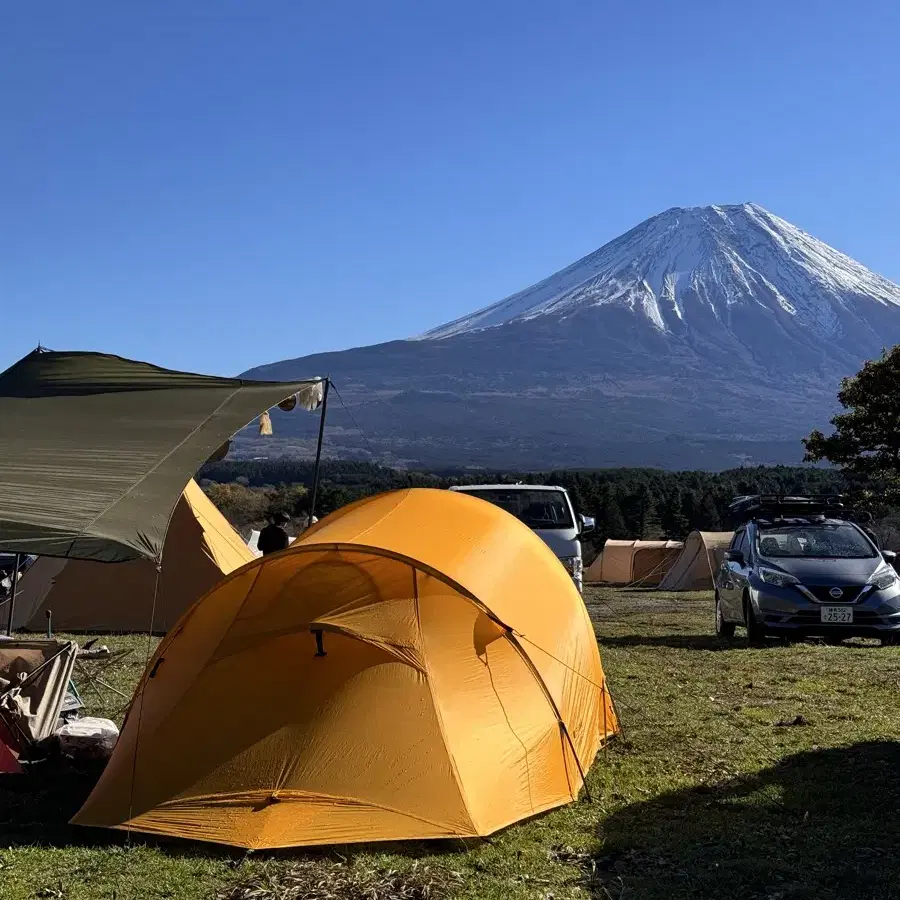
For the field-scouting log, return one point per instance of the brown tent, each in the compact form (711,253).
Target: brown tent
(695,568)
(633,562)
(200,549)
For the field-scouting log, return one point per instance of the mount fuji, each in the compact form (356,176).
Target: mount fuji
(703,338)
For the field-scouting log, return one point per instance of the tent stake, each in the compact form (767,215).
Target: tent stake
(315,484)
(12,594)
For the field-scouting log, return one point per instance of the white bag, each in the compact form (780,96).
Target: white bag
(88,738)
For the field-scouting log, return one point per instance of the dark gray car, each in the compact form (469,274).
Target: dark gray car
(796,577)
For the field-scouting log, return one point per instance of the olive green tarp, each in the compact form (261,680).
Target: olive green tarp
(95,450)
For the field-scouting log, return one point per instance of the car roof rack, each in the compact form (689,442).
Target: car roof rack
(785,506)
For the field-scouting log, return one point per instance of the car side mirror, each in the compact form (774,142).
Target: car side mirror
(735,556)
(889,556)
(587,524)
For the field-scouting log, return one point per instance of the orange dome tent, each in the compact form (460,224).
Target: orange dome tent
(417,665)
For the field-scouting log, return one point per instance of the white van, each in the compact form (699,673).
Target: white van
(547,510)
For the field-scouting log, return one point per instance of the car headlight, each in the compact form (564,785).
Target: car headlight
(883,578)
(779,579)
(573,565)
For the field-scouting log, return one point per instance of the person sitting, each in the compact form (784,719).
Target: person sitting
(274,537)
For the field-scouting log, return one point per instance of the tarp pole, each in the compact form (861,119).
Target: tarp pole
(12,594)
(315,482)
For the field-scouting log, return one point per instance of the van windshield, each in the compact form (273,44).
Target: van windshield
(537,509)
(824,541)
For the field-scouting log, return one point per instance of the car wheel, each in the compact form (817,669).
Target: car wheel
(755,631)
(889,640)
(723,629)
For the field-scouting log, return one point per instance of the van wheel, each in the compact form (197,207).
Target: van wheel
(724,630)
(755,632)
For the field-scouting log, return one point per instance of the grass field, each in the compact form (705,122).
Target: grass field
(768,773)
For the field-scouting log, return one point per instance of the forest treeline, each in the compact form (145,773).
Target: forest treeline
(626,503)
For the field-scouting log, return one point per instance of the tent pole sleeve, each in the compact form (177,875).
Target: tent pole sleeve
(315,484)
(12,594)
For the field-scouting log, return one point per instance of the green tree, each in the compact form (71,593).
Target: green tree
(610,522)
(241,505)
(650,529)
(675,524)
(708,516)
(865,442)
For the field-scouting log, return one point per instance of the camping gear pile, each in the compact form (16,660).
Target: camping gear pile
(37,702)
(8,564)
(88,738)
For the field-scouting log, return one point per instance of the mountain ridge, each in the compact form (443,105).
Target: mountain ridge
(722,244)
(721,324)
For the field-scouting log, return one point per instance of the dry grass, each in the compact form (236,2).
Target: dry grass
(340,880)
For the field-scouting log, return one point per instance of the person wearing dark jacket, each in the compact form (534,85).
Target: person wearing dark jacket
(274,537)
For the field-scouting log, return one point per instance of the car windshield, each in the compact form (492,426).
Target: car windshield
(825,541)
(537,509)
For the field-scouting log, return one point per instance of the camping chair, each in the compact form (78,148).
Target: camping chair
(93,664)
(34,681)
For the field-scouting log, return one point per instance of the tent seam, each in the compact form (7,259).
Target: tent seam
(509,725)
(437,710)
(386,515)
(554,707)
(544,807)
(221,799)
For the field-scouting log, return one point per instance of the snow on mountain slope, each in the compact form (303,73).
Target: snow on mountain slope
(703,337)
(685,263)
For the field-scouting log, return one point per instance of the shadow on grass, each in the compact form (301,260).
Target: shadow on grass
(711,642)
(820,824)
(35,808)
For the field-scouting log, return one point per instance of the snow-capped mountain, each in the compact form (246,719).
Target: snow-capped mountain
(706,336)
(708,258)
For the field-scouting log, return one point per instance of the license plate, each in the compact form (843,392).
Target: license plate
(837,615)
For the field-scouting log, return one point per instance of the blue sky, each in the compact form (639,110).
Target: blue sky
(216,185)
